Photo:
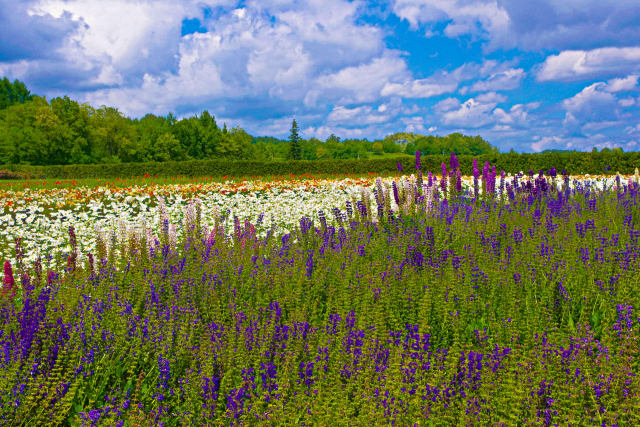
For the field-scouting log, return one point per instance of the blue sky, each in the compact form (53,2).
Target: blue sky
(529,75)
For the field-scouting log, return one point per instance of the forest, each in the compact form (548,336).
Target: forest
(61,131)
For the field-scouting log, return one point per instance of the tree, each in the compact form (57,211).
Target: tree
(295,149)
(13,93)
(74,129)
(167,147)
(377,147)
(235,145)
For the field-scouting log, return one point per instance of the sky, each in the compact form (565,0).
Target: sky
(528,75)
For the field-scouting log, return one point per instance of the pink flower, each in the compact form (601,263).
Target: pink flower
(8,283)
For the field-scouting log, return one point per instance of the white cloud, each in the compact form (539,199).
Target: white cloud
(470,114)
(528,25)
(517,116)
(626,102)
(591,103)
(415,124)
(322,132)
(140,36)
(623,84)
(266,49)
(596,107)
(572,24)
(581,65)
(471,17)
(361,83)
(421,88)
(503,80)
(363,115)
(547,142)
(590,95)
(446,104)
(491,97)
(481,111)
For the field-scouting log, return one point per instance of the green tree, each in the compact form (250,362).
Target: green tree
(391,146)
(74,128)
(167,148)
(13,93)
(295,149)
(28,133)
(110,130)
(210,135)
(235,145)
(377,147)
(149,129)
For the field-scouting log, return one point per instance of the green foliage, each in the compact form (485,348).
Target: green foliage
(236,142)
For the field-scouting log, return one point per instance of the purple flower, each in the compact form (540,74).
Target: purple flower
(417,259)
(399,167)
(624,323)
(453,161)
(418,164)
(309,265)
(396,196)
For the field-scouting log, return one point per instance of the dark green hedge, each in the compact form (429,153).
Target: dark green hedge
(574,163)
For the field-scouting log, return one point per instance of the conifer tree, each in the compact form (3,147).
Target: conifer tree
(295,149)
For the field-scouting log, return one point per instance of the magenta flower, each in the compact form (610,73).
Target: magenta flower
(8,283)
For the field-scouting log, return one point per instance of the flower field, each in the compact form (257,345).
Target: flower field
(488,299)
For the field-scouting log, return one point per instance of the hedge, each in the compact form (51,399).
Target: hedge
(574,163)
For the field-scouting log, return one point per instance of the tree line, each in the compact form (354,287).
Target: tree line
(37,131)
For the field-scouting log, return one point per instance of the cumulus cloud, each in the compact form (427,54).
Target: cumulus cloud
(120,41)
(590,101)
(574,65)
(515,117)
(465,17)
(419,88)
(502,80)
(570,25)
(470,114)
(132,54)
(529,25)
(363,115)
(596,107)
(482,111)
(322,132)
(360,83)
(623,84)
(24,35)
